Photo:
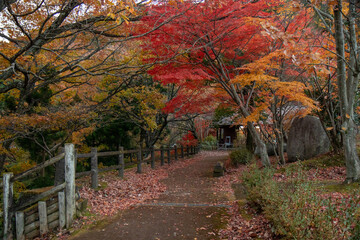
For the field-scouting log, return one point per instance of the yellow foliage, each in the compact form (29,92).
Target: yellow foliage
(79,136)
(145,102)
(20,167)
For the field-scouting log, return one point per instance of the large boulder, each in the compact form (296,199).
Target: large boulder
(306,139)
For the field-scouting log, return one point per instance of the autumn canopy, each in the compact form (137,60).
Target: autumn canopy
(69,68)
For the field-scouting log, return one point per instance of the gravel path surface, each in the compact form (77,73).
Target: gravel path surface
(188,209)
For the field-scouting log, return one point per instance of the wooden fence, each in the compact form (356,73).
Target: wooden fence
(56,208)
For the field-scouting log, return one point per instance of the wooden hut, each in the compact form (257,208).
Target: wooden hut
(226,132)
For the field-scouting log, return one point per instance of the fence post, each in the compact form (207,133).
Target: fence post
(43,217)
(20,225)
(7,202)
(187,151)
(121,162)
(162,162)
(152,157)
(175,153)
(182,151)
(94,168)
(70,183)
(168,155)
(62,211)
(139,160)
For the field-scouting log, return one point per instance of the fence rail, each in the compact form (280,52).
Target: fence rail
(46,215)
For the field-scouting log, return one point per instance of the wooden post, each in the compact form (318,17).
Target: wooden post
(94,169)
(152,158)
(43,217)
(187,151)
(168,155)
(182,151)
(121,162)
(62,213)
(162,162)
(139,160)
(70,183)
(175,153)
(7,202)
(20,225)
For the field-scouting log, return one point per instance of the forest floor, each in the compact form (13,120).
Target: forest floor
(179,201)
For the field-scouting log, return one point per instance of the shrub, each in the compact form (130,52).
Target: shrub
(209,143)
(298,210)
(241,156)
(41,182)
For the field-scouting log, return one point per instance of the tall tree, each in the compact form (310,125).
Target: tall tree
(206,49)
(345,34)
(227,46)
(66,47)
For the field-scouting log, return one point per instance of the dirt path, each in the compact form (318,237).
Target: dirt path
(189,209)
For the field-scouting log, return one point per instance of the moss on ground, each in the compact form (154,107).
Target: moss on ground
(330,186)
(242,210)
(219,219)
(322,161)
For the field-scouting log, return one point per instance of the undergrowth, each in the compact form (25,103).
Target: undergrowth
(241,156)
(298,209)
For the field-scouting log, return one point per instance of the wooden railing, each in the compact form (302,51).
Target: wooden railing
(53,213)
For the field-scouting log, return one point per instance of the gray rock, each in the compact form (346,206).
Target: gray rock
(306,139)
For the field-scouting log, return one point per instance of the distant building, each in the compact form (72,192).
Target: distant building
(226,132)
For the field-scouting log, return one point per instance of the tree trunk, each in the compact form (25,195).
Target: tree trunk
(280,147)
(255,135)
(347,89)
(250,144)
(260,145)
(336,141)
(351,156)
